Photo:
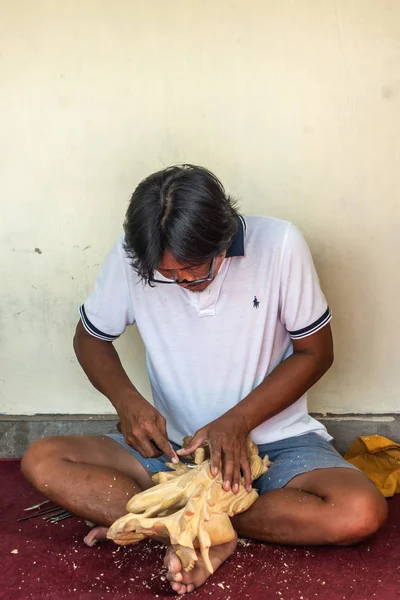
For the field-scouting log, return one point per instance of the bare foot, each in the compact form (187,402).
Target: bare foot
(97,534)
(184,583)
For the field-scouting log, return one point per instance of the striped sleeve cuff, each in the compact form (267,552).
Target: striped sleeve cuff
(90,328)
(314,327)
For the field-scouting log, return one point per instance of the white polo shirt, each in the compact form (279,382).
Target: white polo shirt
(206,351)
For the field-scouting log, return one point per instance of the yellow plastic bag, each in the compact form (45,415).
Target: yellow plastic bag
(379,458)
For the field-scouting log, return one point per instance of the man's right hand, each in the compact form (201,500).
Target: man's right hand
(142,425)
(144,429)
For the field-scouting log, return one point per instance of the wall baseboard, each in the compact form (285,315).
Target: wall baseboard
(17,432)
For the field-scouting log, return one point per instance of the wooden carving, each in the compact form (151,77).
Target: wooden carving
(188,508)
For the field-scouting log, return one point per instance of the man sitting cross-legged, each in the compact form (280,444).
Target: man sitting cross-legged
(236,330)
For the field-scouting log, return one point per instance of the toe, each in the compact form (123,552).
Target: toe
(174,576)
(172,562)
(176,586)
(190,587)
(97,534)
(90,540)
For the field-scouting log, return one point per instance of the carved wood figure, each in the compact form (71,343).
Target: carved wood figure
(188,508)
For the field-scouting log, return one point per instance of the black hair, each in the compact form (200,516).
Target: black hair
(183,209)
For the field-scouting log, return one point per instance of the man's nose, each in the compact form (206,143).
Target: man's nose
(184,276)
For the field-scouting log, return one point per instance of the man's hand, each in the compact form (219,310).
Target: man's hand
(144,429)
(226,438)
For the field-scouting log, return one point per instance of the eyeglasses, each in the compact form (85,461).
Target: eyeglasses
(209,277)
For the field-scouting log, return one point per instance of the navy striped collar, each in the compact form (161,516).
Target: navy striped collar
(237,245)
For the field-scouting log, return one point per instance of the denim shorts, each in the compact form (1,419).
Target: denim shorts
(289,457)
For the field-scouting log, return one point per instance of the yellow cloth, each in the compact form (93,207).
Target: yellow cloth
(379,458)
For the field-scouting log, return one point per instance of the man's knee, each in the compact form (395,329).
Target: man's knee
(35,462)
(364,515)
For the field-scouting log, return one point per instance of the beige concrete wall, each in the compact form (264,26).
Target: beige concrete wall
(295,104)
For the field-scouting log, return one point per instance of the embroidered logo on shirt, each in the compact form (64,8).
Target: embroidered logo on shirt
(256,303)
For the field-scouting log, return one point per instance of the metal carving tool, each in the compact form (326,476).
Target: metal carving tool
(62,517)
(40,513)
(37,505)
(54,515)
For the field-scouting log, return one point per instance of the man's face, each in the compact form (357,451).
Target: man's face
(170,268)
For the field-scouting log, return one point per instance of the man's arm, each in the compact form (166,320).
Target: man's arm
(102,365)
(312,356)
(141,423)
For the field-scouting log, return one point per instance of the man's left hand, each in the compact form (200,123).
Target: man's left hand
(226,438)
